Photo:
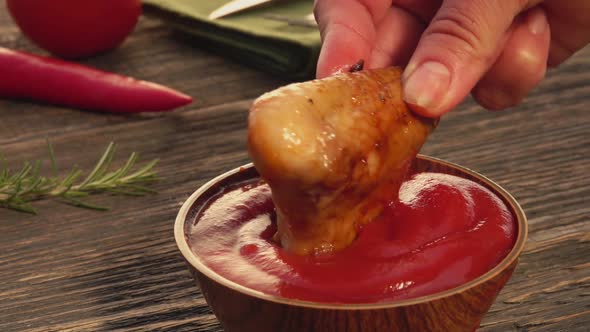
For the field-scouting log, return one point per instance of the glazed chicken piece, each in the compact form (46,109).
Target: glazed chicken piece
(334,152)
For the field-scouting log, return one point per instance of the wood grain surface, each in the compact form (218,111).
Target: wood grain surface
(69,269)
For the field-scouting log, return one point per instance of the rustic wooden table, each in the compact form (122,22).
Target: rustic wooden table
(69,269)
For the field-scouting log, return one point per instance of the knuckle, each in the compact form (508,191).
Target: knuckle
(462,33)
(515,5)
(495,99)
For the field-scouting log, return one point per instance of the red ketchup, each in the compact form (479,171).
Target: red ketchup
(441,232)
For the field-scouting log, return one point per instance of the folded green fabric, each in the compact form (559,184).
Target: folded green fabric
(287,50)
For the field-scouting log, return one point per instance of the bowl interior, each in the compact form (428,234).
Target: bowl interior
(198,200)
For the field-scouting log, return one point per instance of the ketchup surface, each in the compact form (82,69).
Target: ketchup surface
(441,232)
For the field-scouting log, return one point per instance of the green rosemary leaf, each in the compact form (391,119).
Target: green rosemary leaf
(79,203)
(114,176)
(52,158)
(3,167)
(27,208)
(142,189)
(127,192)
(100,165)
(33,180)
(144,172)
(15,192)
(18,190)
(78,194)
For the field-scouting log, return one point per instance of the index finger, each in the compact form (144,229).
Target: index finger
(348,32)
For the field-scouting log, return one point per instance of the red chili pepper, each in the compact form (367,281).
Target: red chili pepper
(27,76)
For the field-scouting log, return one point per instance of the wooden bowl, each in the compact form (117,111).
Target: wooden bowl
(242,309)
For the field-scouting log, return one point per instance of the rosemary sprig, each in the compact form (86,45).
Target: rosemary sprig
(18,190)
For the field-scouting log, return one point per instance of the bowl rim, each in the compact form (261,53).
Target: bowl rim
(195,262)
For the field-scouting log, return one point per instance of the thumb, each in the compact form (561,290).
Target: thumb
(462,41)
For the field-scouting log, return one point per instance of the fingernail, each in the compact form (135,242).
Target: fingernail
(427,85)
(537,21)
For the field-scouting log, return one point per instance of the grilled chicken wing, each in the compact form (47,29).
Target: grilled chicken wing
(334,152)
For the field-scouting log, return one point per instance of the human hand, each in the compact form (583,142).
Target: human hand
(497,50)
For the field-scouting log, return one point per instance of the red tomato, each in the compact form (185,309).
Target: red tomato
(75,28)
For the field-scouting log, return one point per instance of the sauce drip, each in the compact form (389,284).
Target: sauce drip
(441,232)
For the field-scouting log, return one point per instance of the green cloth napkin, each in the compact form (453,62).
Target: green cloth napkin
(287,50)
